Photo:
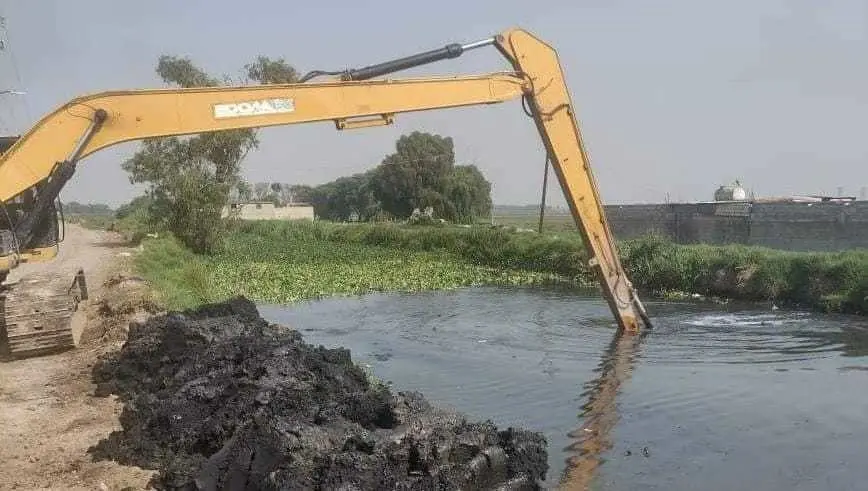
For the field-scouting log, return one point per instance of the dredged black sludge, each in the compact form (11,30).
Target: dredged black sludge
(218,398)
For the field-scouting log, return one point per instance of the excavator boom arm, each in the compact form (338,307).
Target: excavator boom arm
(135,115)
(45,158)
(555,118)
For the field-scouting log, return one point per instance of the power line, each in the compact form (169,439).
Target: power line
(6,46)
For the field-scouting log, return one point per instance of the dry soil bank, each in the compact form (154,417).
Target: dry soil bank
(49,417)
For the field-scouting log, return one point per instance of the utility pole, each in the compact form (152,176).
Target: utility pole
(542,204)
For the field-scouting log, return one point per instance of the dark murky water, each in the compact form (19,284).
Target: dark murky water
(716,397)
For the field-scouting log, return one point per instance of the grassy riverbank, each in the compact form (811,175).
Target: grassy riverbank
(284,262)
(289,262)
(829,282)
(820,281)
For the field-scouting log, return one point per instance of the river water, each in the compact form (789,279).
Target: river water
(715,397)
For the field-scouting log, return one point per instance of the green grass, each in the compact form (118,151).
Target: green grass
(180,277)
(273,261)
(551,222)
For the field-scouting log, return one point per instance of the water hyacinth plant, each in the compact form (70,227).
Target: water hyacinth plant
(279,262)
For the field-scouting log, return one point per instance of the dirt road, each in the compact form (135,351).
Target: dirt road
(48,416)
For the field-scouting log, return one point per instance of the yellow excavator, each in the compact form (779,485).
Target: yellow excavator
(34,168)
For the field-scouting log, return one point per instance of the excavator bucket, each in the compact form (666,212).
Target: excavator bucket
(36,315)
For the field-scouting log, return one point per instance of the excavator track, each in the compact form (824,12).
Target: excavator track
(37,315)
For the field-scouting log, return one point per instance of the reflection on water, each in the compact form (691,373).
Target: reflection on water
(600,412)
(715,397)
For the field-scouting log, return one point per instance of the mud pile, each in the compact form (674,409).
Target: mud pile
(218,398)
(124,298)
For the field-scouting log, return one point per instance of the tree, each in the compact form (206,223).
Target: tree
(76,208)
(420,173)
(416,175)
(344,197)
(301,193)
(261,190)
(138,205)
(267,71)
(244,189)
(276,194)
(469,193)
(190,179)
(284,193)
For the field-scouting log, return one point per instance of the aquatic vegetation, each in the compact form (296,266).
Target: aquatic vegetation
(298,263)
(274,261)
(562,254)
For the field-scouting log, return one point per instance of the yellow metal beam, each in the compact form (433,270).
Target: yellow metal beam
(135,115)
(555,117)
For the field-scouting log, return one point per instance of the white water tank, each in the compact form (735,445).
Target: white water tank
(732,192)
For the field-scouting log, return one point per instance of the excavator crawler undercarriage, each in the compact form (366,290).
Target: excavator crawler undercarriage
(36,314)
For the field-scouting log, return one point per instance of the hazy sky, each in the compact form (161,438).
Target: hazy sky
(673,98)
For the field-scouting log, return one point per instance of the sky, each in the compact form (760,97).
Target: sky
(674,98)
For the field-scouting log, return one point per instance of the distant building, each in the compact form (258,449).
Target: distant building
(266,210)
(730,193)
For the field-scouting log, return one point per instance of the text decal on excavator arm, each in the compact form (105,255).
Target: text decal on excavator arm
(254,108)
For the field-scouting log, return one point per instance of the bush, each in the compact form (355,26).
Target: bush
(823,281)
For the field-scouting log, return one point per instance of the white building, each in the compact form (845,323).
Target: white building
(265,210)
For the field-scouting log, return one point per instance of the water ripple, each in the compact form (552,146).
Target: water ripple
(722,397)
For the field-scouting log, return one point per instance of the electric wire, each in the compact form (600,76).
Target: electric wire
(13,60)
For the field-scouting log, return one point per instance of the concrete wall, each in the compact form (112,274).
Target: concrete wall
(631,221)
(810,226)
(791,226)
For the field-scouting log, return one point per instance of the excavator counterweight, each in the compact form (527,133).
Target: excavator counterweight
(35,167)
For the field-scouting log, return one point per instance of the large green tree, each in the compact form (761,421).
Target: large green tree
(189,179)
(422,172)
(345,197)
(469,194)
(416,175)
(301,193)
